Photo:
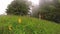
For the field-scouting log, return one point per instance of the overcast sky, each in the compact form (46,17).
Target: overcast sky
(35,1)
(4,4)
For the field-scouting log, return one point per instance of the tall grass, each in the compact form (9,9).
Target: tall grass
(28,25)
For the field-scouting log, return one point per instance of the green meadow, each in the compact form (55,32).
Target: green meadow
(27,25)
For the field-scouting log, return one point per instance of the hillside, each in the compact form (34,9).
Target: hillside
(27,25)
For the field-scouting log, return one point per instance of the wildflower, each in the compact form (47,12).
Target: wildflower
(19,20)
(10,27)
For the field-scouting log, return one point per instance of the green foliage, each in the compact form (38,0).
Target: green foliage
(28,25)
(51,11)
(18,7)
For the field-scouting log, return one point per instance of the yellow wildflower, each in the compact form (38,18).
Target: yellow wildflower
(10,27)
(19,20)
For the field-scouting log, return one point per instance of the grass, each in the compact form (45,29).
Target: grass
(28,25)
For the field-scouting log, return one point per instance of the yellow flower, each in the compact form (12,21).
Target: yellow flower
(19,20)
(10,27)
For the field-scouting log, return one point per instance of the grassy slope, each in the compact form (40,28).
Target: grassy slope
(28,25)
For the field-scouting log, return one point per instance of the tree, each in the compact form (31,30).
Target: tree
(18,7)
(51,11)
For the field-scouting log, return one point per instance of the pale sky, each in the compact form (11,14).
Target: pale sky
(4,4)
(35,1)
